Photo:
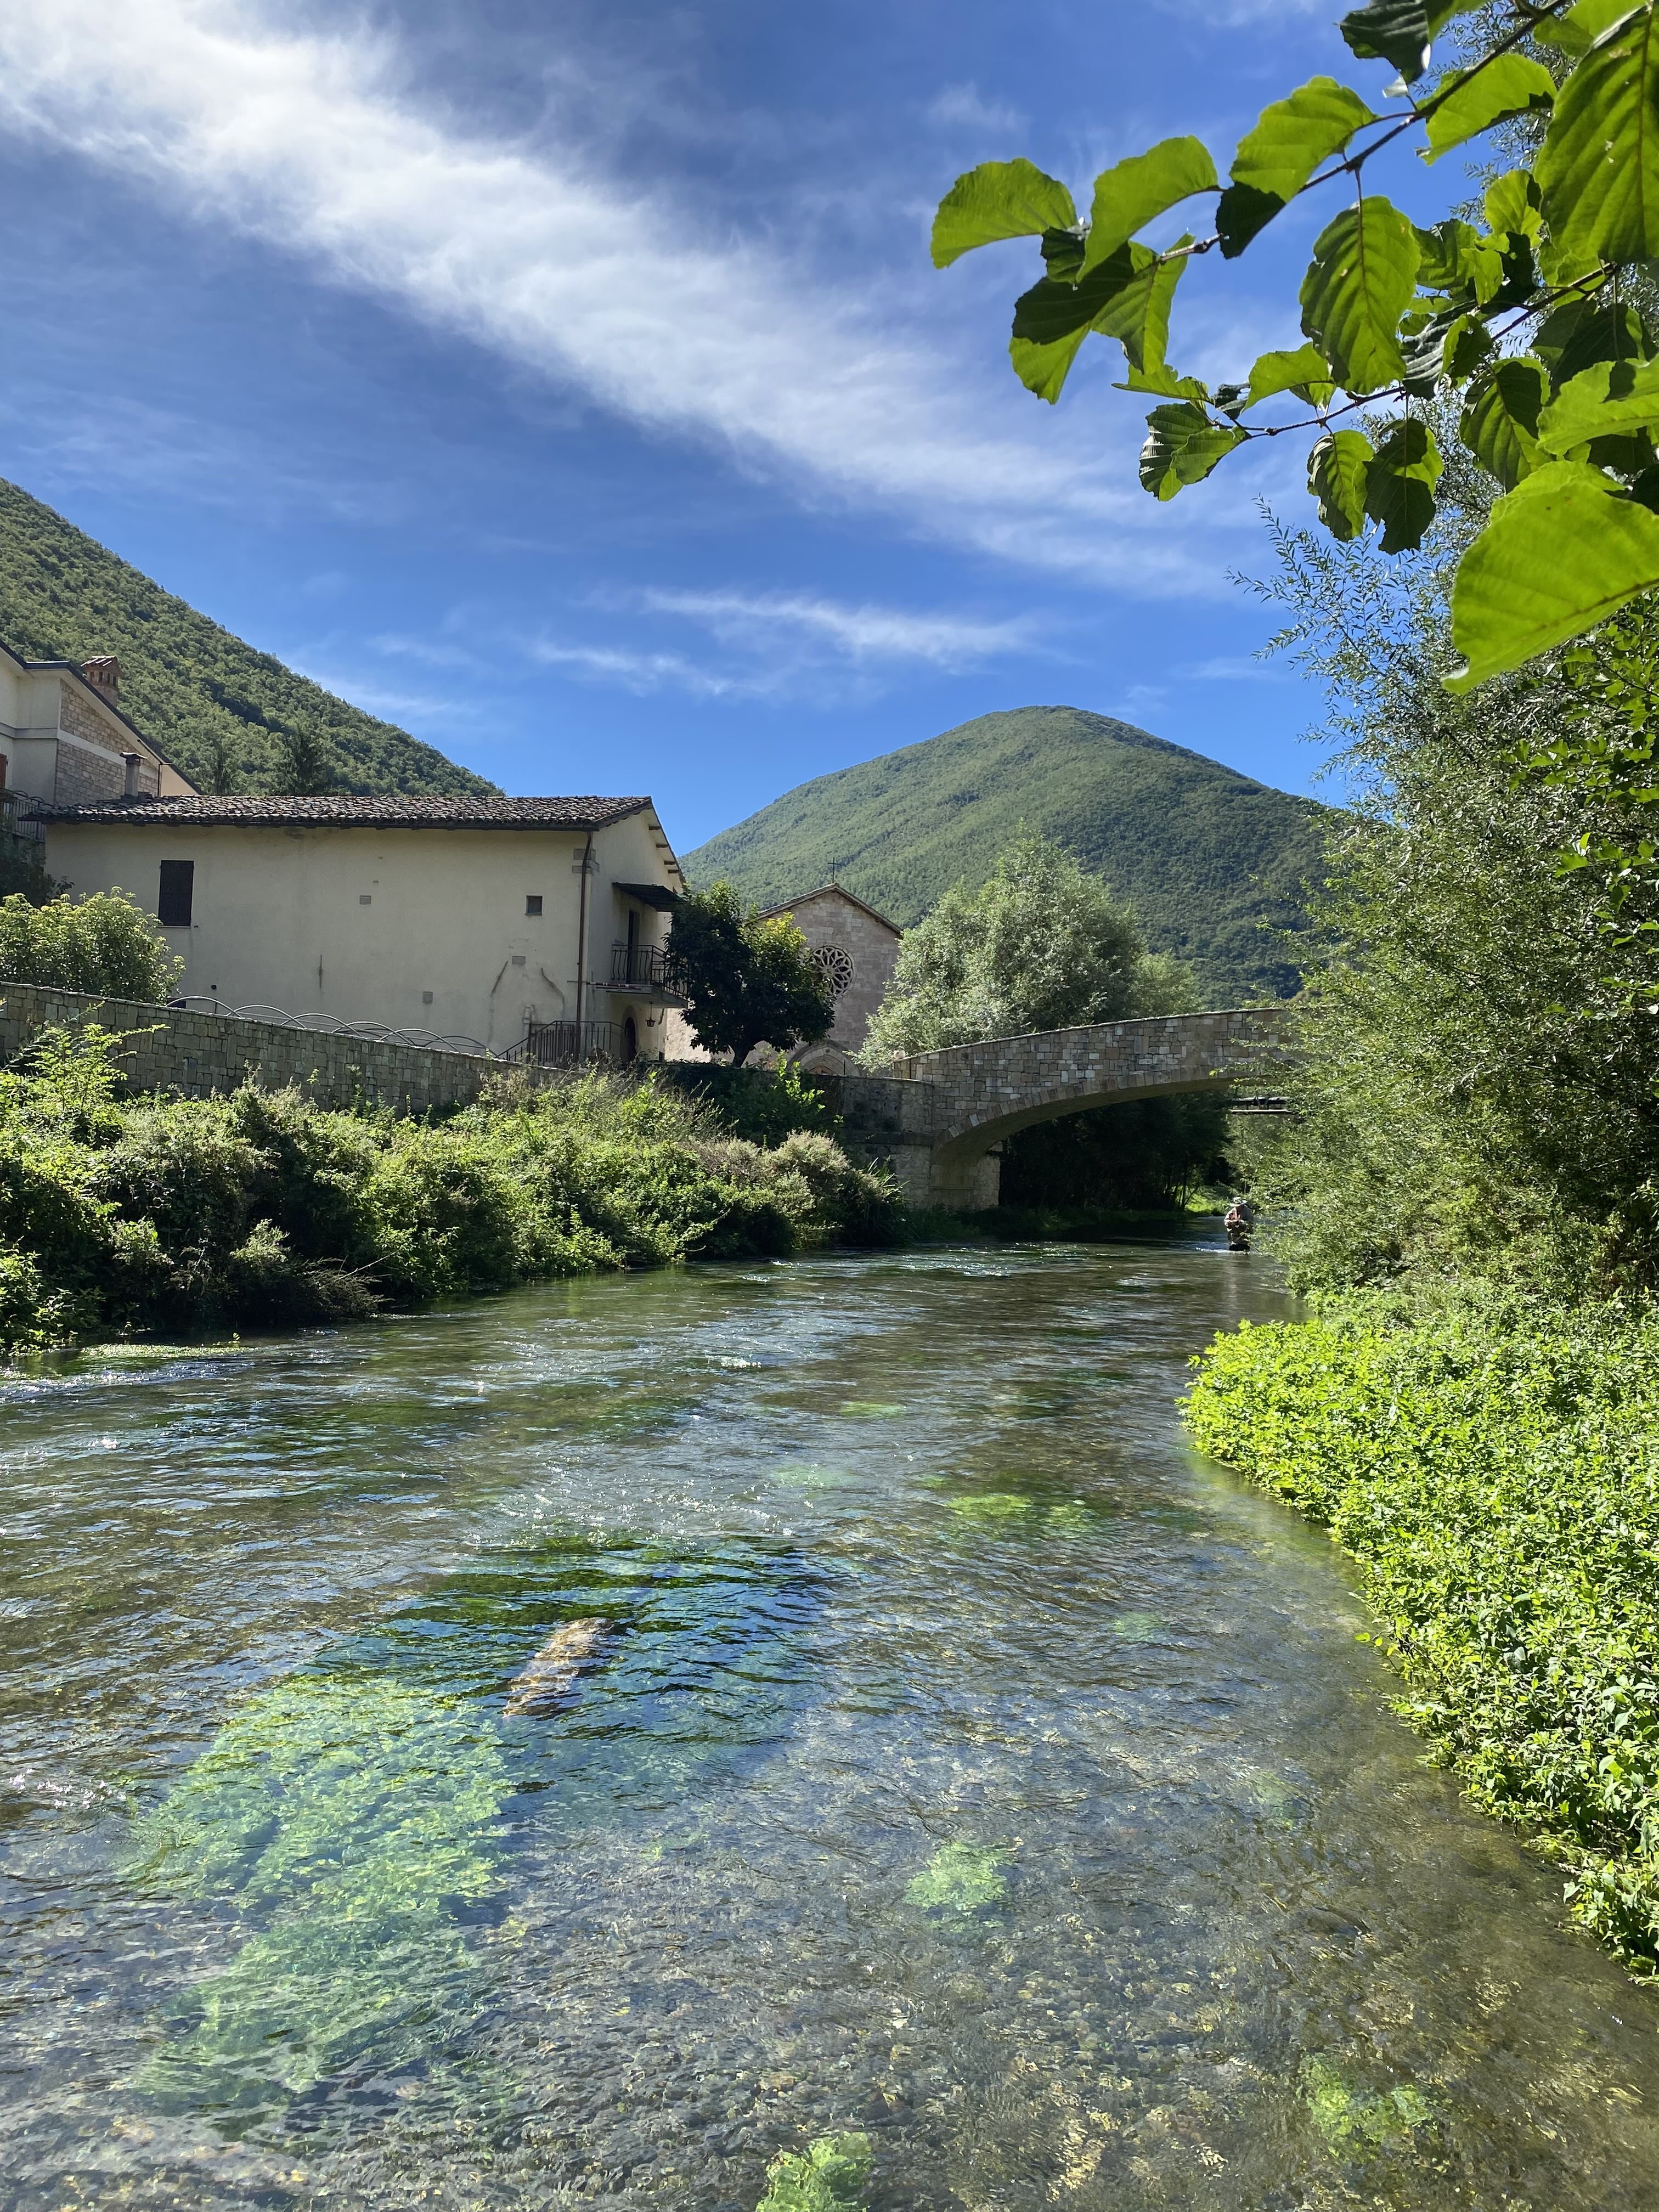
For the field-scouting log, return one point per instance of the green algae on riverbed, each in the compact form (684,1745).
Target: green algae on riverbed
(829,2176)
(961,1877)
(349,1816)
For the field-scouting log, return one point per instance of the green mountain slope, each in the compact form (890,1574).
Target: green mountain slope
(1207,856)
(185,682)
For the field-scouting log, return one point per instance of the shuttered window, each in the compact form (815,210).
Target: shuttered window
(177,894)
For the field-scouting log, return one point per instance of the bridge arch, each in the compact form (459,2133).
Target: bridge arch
(982,1093)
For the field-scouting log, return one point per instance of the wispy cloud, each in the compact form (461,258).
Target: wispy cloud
(756,622)
(963,106)
(1234,668)
(315,143)
(644,672)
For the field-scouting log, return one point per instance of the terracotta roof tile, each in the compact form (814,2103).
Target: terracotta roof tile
(388,813)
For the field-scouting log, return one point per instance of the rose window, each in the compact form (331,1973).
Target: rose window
(835,963)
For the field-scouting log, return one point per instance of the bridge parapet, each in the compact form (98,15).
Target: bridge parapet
(945,1110)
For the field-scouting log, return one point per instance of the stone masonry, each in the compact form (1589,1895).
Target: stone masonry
(170,1049)
(862,944)
(982,1093)
(934,1119)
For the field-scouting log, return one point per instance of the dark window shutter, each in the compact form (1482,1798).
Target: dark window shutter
(173,901)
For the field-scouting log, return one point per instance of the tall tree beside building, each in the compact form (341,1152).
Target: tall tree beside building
(748,981)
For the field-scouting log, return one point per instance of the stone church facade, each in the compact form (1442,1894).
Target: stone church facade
(858,947)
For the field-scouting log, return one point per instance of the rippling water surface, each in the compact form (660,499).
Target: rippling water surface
(970,1765)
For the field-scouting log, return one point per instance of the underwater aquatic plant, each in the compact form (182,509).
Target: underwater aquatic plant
(986,1507)
(829,2176)
(352,1818)
(1350,2120)
(960,1878)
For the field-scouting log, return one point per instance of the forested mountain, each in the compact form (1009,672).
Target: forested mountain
(1213,862)
(233,719)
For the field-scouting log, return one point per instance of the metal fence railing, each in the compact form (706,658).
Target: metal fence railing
(370,1032)
(568,1044)
(17,818)
(643,967)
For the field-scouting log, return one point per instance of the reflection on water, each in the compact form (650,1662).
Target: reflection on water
(966,1767)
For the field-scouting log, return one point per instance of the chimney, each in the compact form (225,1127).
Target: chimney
(131,761)
(103,672)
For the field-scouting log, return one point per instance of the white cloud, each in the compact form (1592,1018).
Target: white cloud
(961,107)
(859,633)
(314,143)
(644,671)
(1232,668)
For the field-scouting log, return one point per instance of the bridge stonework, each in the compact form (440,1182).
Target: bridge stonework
(937,1115)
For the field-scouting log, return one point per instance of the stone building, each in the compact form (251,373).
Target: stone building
(515,923)
(857,947)
(63,739)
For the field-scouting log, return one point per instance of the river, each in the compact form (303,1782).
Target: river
(969,1764)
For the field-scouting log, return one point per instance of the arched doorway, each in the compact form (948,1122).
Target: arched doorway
(631,1043)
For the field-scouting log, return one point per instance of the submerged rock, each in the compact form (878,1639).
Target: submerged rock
(548,1681)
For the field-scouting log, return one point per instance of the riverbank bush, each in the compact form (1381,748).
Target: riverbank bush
(261,1208)
(1491,1463)
(105,944)
(764,1104)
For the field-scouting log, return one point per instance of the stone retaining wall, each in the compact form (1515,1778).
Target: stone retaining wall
(168,1048)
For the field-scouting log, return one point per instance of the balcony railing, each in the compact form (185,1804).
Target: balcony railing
(568,1044)
(17,818)
(643,967)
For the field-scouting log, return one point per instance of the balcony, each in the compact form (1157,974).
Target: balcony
(17,818)
(647,968)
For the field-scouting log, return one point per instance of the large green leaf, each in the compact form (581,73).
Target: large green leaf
(1458,258)
(1513,203)
(1576,31)
(1559,555)
(1499,424)
(1598,171)
(1400,483)
(1128,196)
(1358,286)
(1052,320)
(1336,476)
(1138,316)
(1580,332)
(998,199)
(1164,381)
(1465,104)
(1183,446)
(1276,158)
(1612,399)
(1466,346)
(1399,31)
(1306,371)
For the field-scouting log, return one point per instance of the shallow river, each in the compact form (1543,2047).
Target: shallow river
(971,1765)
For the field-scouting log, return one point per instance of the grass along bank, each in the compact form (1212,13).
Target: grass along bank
(120,1214)
(1492,1466)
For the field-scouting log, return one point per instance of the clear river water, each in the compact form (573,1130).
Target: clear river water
(969,1764)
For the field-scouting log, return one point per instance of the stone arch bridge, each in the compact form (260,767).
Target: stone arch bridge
(939,1116)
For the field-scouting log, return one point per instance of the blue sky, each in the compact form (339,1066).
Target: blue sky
(571,384)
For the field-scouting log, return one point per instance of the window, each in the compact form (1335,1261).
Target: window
(533,903)
(365,898)
(173,900)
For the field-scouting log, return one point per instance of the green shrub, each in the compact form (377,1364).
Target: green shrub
(765,1104)
(261,1208)
(1492,1464)
(105,944)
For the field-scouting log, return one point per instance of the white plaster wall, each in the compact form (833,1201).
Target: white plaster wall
(280,919)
